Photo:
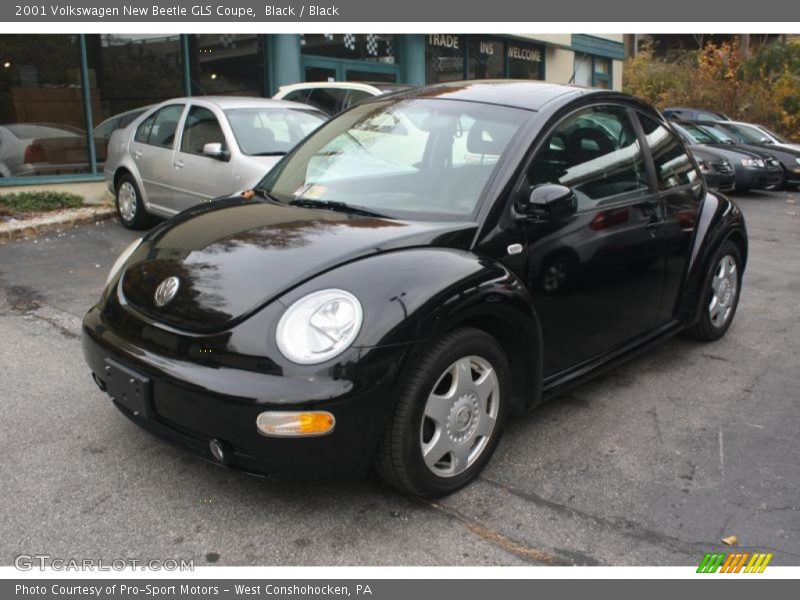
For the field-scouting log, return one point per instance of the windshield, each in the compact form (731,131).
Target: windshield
(772,134)
(746,135)
(418,158)
(697,134)
(713,133)
(271,131)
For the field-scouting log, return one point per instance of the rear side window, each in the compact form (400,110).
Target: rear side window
(201,128)
(673,166)
(165,125)
(596,153)
(143,131)
(329,100)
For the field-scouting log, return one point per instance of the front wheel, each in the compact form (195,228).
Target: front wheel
(448,417)
(721,295)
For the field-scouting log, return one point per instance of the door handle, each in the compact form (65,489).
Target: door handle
(137,154)
(178,164)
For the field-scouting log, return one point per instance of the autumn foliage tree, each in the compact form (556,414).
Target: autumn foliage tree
(763,88)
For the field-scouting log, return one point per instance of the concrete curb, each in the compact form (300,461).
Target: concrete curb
(57,221)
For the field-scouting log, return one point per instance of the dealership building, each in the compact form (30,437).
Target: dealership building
(70,88)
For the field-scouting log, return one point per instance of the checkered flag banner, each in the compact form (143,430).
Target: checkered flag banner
(328,36)
(390,46)
(227,41)
(372,44)
(350,41)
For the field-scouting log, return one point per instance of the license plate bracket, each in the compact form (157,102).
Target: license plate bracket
(129,388)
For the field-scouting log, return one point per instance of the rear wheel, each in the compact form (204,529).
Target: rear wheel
(448,417)
(130,207)
(721,295)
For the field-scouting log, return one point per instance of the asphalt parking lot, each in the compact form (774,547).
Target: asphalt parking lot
(651,464)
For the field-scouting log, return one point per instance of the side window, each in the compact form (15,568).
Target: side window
(165,125)
(297,96)
(596,153)
(673,165)
(201,128)
(143,131)
(329,100)
(354,97)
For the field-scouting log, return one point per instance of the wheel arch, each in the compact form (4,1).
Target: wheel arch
(414,295)
(523,353)
(124,169)
(720,220)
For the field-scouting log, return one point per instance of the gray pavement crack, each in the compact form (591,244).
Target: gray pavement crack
(619,525)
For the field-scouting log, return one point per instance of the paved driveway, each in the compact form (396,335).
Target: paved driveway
(651,464)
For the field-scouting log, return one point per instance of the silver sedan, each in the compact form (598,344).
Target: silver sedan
(190,150)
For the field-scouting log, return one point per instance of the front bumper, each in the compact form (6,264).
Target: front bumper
(192,404)
(760,179)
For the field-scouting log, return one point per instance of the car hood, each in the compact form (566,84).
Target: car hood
(233,256)
(734,153)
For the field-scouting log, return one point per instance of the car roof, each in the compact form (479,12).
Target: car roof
(372,88)
(225,102)
(522,93)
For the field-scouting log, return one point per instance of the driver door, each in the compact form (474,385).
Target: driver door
(595,274)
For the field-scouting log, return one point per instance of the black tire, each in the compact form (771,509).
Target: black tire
(706,329)
(399,456)
(139,218)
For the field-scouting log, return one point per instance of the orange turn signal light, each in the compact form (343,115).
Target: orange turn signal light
(295,424)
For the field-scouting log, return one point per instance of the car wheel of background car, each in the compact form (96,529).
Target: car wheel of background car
(448,417)
(722,295)
(130,207)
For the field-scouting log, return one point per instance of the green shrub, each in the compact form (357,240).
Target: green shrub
(38,201)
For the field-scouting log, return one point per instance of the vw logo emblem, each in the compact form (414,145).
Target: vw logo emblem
(166,290)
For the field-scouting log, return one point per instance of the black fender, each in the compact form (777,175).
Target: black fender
(720,219)
(411,296)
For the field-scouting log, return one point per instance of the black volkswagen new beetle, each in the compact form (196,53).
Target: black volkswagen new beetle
(418,269)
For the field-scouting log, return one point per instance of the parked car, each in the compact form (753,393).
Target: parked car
(693,114)
(28,149)
(758,134)
(385,307)
(716,169)
(190,150)
(332,97)
(753,169)
(751,138)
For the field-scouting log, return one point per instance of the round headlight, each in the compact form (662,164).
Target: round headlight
(319,326)
(123,257)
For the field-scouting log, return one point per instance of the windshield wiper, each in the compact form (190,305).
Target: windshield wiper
(334,205)
(260,191)
(272,153)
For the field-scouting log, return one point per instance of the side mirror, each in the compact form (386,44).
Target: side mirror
(549,201)
(216,150)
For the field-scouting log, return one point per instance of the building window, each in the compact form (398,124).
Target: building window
(485,59)
(42,118)
(127,73)
(525,61)
(444,58)
(592,71)
(371,47)
(227,64)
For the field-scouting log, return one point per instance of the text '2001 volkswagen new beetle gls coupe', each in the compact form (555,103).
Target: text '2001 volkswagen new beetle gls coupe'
(419,268)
